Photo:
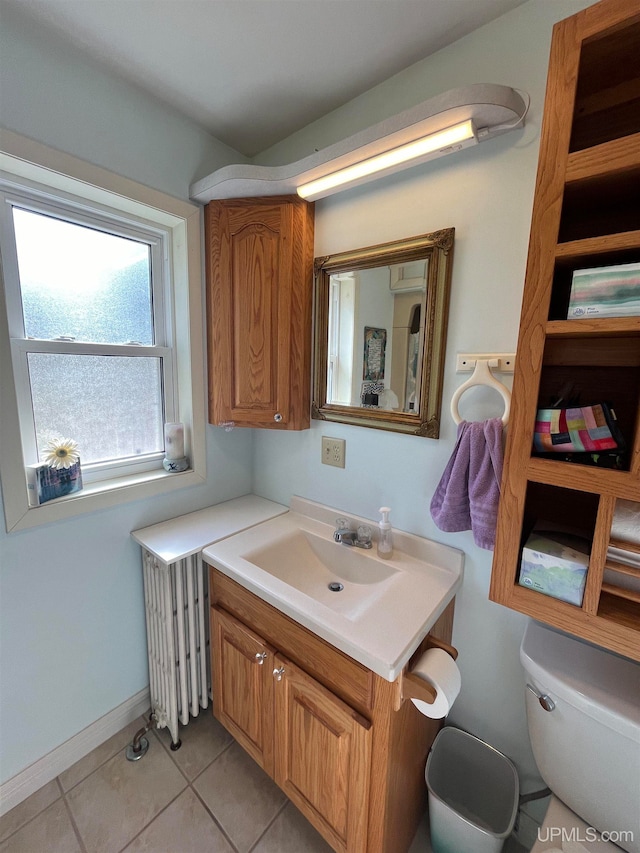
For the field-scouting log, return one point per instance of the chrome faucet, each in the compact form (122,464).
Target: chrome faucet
(347,537)
(361,537)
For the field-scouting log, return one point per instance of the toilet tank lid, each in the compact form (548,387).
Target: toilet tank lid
(599,683)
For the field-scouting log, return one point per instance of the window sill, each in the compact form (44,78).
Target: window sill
(104,494)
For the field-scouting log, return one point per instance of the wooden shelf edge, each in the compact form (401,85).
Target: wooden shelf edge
(622,569)
(624,545)
(612,15)
(575,249)
(609,158)
(584,478)
(621,592)
(613,326)
(601,630)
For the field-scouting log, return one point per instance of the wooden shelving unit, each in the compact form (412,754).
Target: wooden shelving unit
(586,214)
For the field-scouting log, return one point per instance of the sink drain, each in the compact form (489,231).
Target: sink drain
(334,586)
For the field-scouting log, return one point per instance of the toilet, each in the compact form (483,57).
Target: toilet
(585,740)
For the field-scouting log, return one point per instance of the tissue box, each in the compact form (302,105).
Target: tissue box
(605,292)
(554,568)
(45,483)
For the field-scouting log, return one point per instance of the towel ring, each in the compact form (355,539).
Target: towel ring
(482,375)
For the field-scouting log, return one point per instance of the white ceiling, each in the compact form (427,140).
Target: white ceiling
(254,71)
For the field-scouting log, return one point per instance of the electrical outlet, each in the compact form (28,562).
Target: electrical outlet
(333,451)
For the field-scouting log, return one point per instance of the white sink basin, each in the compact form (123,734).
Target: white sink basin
(330,573)
(377,611)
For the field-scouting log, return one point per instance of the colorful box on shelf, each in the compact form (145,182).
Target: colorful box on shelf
(605,292)
(577,429)
(554,568)
(45,483)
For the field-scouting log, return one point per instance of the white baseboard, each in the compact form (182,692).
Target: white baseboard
(32,778)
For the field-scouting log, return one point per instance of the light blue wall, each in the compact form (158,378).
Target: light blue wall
(72,641)
(72,629)
(50,92)
(486,193)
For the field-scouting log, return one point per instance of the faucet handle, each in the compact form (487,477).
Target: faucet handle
(342,524)
(364,535)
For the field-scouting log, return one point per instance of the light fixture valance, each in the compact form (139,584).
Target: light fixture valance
(439,126)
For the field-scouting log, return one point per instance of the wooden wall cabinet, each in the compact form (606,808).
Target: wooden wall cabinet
(332,734)
(259,263)
(586,214)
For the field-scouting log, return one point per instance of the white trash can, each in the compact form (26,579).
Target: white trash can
(473,794)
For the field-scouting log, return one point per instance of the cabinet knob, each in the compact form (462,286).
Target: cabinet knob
(277,417)
(278,672)
(260,657)
(545,701)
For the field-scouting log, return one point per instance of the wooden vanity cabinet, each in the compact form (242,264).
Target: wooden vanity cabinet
(259,266)
(333,735)
(585,215)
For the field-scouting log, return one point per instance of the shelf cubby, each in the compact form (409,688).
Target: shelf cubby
(620,611)
(595,370)
(554,507)
(607,99)
(589,254)
(603,205)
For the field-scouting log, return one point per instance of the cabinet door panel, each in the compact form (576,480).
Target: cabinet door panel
(260,311)
(243,686)
(322,757)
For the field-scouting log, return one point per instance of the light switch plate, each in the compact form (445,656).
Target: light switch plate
(333,451)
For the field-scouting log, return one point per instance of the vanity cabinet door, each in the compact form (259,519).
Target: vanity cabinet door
(259,294)
(322,757)
(242,666)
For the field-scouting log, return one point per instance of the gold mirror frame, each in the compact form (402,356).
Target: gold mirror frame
(437,247)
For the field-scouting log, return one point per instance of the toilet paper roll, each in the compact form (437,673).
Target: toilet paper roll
(441,671)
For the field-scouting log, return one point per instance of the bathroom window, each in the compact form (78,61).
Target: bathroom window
(91,341)
(101,339)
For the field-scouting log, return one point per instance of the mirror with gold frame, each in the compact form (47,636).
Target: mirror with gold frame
(380,333)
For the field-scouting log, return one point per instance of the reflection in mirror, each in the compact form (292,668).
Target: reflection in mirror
(381,316)
(375,336)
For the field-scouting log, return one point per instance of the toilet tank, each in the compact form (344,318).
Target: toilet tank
(588,747)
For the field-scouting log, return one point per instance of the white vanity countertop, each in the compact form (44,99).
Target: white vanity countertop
(188,534)
(381,623)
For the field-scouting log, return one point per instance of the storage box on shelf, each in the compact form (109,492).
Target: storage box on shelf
(605,292)
(585,215)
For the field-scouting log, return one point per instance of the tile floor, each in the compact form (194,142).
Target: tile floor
(207,796)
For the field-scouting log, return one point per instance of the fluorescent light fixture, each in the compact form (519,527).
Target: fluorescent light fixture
(441,125)
(419,151)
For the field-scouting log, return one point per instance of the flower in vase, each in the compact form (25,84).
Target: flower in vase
(61,453)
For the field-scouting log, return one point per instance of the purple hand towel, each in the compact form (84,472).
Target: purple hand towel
(468,493)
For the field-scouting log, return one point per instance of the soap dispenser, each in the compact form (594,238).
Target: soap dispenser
(385,539)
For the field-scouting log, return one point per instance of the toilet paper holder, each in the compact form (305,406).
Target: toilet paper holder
(414,687)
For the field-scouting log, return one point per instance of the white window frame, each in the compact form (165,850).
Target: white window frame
(76,211)
(38,178)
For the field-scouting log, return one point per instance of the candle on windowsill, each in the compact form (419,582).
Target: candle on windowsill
(174,441)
